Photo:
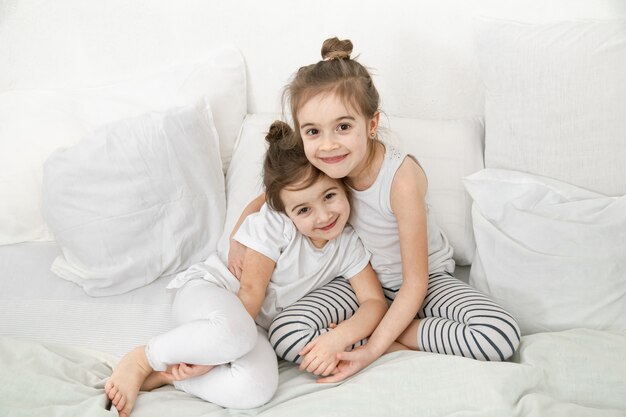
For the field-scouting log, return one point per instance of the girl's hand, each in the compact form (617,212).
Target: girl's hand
(350,363)
(320,355)
(185,371)
(236,254)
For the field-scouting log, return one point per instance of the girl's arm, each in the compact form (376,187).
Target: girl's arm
(320,355)
(257,272)
(237,251)
(408,203)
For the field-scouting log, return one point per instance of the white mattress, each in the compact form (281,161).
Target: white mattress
(36,304)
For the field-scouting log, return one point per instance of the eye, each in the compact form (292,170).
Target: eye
(342,127)
(329,196)
(311,132)
(303,210)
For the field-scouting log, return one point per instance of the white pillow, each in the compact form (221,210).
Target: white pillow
(448,150)
(556,100)
(139,198)
(552,254)
(33,123)
(244,179)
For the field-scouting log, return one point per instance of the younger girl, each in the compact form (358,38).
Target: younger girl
(335,108)
(297,244)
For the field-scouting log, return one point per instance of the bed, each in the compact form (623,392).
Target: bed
(131,137)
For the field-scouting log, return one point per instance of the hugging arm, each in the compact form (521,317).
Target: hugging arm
(237,251)
(256,275)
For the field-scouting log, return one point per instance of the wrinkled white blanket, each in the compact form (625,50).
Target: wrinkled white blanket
(571,373)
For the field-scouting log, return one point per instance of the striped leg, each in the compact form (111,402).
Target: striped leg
(310,317)
(456,319)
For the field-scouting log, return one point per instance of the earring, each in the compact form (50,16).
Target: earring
(372,135)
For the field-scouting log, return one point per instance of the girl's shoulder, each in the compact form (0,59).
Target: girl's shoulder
(410,179)
(269,222)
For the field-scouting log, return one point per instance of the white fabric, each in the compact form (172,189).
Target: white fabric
(576,373)
(556,100)
(37,305)
(244,175)
(552,254)
(138,199)
(214,328)
(35,122)
(377,226)
(300,266)
(447,149)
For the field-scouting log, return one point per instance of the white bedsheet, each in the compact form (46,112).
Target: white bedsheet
(576,373)
(36,304)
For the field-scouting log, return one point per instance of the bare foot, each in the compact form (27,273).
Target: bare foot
(123,386)
(156,379)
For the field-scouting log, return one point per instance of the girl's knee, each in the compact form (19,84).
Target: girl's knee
(288,338)
(260,392)
(496,343)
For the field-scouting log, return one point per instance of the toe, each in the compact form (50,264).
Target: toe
(111,392)
(121,405)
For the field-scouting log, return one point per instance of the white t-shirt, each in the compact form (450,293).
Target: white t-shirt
(300,266)
(376,224)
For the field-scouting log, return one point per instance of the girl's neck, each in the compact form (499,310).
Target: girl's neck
(366,173)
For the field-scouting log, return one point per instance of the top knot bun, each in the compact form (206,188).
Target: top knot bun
(278,131)
(334,48)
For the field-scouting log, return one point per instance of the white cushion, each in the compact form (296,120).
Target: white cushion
(244,179)
(556,100)
(33,123)
(448,150)
(139,198)
(552,254)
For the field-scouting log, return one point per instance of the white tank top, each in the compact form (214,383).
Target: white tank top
(376,225)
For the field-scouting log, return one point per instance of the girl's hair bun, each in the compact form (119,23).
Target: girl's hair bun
(334,48)
(278,131)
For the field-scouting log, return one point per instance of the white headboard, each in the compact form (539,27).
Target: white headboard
(421,51)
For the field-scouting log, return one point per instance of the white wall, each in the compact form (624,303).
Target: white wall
(422,51)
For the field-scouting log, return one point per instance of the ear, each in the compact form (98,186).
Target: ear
(373,124)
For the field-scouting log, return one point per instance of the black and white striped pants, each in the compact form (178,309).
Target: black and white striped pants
(455,319)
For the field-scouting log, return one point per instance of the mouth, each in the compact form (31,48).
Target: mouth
(329,226)
(334,159)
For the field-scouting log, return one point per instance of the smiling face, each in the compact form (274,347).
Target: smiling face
(335,136)
(319,211)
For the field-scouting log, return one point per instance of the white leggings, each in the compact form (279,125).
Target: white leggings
(213,328)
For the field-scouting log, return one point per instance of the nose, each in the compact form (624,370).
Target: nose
(327,143)
(323,217)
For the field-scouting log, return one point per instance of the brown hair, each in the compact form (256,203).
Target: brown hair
(285,165)
(336,73)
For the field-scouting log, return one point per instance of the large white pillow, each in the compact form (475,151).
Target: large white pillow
(556,100)
(33,123)
(448,150)
(552,254)
(139,198)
